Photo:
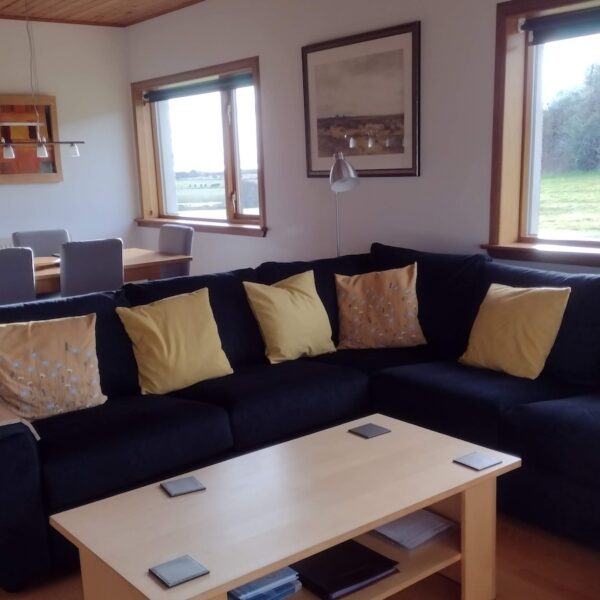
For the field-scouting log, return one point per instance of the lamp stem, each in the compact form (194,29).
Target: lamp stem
(337,222)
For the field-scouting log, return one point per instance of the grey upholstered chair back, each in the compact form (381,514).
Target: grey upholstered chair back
(44,242)
(92,266)
(175,239)
(17,278)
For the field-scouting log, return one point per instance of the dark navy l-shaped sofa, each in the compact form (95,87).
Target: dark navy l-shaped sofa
(553,423)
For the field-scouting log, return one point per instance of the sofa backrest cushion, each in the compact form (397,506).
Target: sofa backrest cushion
(238,330)
(325,270)
(117,366)
(450,288)
(575,356)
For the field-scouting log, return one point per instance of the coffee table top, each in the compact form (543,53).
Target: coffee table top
(269,508)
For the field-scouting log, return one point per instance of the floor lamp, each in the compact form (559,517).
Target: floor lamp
(342,178)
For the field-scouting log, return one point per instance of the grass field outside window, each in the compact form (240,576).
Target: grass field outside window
(570,206)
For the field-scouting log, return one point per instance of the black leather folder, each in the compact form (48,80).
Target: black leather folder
(343,569)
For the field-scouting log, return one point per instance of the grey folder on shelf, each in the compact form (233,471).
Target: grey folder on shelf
(179,570)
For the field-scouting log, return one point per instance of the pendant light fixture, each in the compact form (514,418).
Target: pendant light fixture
(8,152)
(41,143)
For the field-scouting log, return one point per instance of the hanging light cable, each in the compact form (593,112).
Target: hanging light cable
(41,150)
(40,142)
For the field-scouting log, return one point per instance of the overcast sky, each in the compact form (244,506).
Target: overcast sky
(363,86)
(197,131)
(566,63)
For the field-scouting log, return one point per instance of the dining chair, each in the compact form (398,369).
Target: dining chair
(44,242)
(17,275)
(175,239)
(91,266)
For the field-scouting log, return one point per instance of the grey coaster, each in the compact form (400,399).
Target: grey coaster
(179,570)
(369,430)
(185,485)
(477,461)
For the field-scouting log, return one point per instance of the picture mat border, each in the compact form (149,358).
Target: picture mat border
(319,167)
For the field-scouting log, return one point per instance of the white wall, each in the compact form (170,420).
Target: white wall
(86,69)
(447,208)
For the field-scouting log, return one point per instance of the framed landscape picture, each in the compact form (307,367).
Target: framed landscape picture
(361,97)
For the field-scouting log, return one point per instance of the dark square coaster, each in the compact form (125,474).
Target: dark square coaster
(178,570)
(185,485)
(477,461)
(369,430)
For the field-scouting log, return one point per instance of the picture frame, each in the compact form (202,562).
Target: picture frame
(362,98)
(19,126)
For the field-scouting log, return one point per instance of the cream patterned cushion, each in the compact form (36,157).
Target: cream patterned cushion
(49,367)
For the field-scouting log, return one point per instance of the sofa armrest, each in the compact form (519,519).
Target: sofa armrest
(24,551)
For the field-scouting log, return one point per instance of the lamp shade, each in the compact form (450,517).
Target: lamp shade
(342,177)
(8,152)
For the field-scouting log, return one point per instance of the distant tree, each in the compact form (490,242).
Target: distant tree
(571,133)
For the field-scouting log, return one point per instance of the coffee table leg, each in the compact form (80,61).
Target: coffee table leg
(100,582)
(478,533)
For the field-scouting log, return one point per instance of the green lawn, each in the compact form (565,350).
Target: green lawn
(570,206)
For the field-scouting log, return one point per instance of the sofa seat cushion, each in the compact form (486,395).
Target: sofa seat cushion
(269,403)
(560,437)
(125,443)
(458,400)
(373,360)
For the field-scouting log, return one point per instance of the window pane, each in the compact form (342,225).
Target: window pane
(192,156)
(247,151)
(565,169)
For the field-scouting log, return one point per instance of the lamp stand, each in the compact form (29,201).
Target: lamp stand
(337,222)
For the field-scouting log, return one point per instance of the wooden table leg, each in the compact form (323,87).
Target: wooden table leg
(478,534)
(100,582)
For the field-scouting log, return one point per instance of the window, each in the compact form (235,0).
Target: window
(546,154)
(199,149)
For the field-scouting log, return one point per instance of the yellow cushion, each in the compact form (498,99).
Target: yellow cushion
(292,319)
(49,367)
(379,310)
(176,342)
(515,329)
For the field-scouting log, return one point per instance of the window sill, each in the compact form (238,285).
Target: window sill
(586,256)
(208,227)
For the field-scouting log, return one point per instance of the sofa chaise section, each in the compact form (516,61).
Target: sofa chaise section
(458,400)
(558,486)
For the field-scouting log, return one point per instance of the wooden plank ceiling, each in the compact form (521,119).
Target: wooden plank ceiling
(114,13)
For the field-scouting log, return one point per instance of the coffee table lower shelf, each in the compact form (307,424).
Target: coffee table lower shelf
(413,565)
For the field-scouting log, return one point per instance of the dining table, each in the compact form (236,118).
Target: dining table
(139,264)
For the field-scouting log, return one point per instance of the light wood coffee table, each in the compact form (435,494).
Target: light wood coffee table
(270,508)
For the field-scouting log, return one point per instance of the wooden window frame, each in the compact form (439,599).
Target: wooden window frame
(149,160)
(511,141)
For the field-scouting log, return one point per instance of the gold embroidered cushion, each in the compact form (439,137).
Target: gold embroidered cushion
(379,310)
(49,367)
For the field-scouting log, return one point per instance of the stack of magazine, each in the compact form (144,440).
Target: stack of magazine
(415,529)
(275,586)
